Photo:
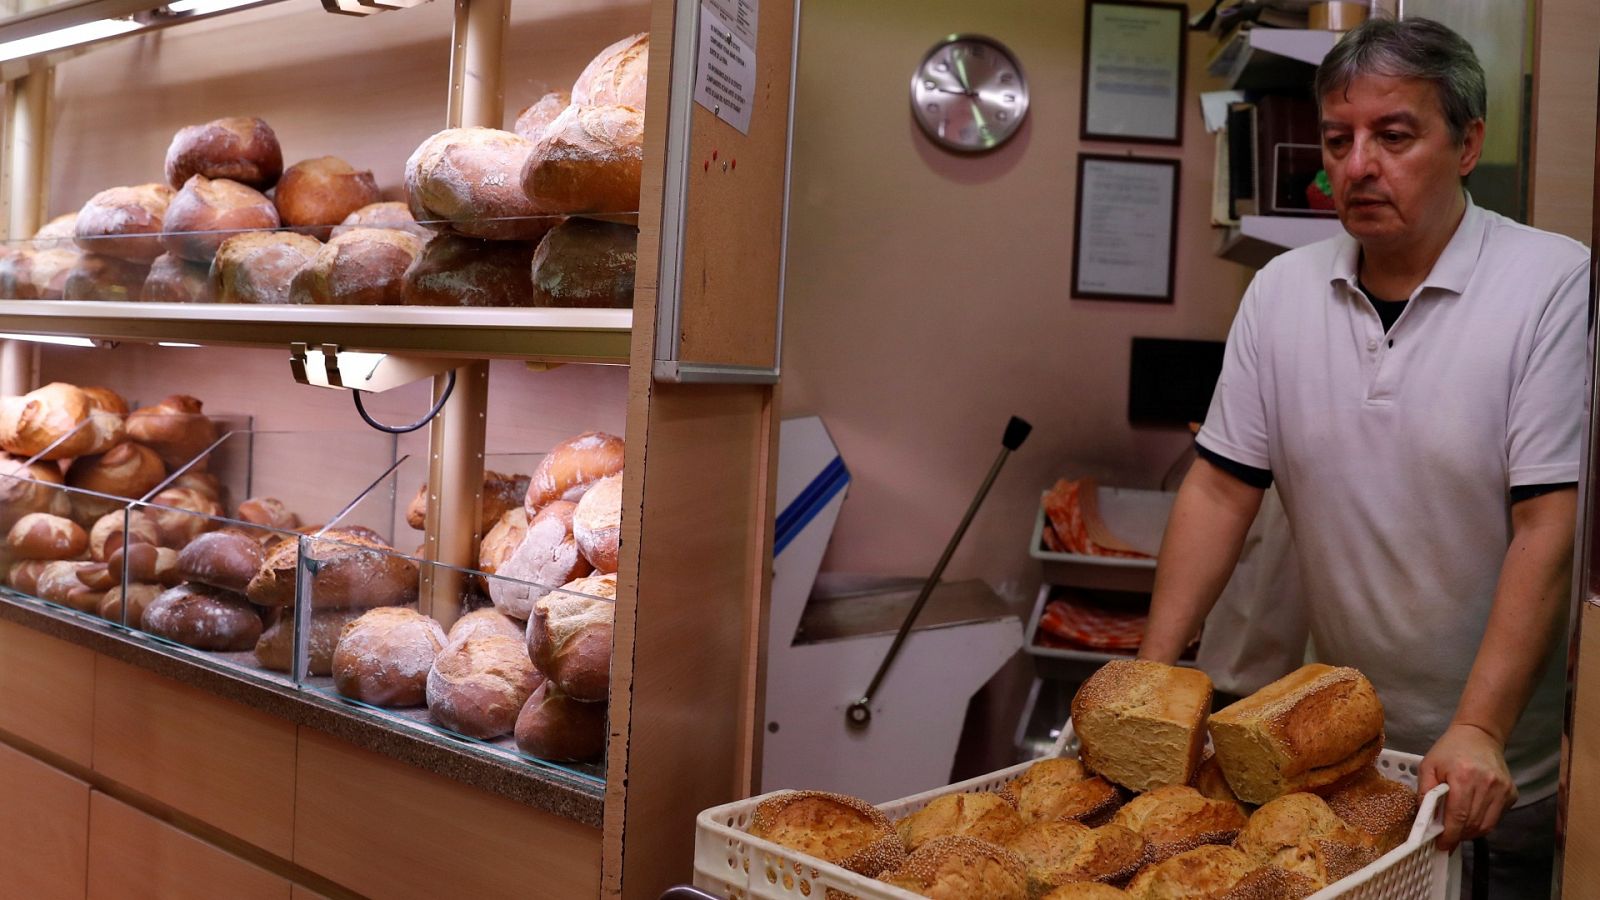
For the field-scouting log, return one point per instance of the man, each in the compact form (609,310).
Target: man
(1415,388)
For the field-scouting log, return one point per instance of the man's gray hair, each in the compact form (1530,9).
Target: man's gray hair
(1410,48)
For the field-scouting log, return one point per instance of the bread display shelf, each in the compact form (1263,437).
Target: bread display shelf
(550,335)
(729,862)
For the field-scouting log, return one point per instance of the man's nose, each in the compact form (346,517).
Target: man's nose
(1362,162)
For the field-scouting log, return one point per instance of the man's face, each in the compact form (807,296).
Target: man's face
(1392,161)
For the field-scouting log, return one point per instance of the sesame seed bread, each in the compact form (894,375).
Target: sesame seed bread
(983,815)
(1299,833)
(1061,788)
(1208,871)
(1177,818)
(1381,809)
(1141,723)
(960,868)
(843,830)
(1057,853)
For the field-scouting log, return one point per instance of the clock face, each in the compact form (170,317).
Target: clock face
(969,94)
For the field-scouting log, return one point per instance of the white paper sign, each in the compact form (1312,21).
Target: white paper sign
(742,15)
(725,70)
(1135,54)
(1125,230)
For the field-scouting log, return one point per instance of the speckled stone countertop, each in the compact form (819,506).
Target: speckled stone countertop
(401,735)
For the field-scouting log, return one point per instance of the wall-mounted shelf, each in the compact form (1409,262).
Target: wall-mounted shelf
(1258,239)
(1270,58)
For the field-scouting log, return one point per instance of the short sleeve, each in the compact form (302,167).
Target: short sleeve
(1236,422)
(1545,423)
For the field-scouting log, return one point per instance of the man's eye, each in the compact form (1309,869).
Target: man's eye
(1335,142)
(1394,137)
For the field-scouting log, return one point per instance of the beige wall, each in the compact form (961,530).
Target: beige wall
(928,294)
(1567,56)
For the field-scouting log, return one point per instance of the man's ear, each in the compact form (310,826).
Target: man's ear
(1471,148)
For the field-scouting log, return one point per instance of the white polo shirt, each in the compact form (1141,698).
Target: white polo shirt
(1394,453)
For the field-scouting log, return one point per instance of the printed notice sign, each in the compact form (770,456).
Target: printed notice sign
(740,15)
(725,70)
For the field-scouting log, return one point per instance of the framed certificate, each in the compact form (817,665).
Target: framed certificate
(1133,62)
(1126,228)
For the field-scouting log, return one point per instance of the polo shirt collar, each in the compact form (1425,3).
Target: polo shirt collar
(1451,271)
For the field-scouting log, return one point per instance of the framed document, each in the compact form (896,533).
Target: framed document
(1133,62)
(1126,228)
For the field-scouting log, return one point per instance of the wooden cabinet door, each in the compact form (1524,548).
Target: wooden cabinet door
(44,816)
(133,856)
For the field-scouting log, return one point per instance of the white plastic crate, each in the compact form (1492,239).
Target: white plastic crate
(731,863)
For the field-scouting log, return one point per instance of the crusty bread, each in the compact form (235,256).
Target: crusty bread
(1060,788)
(567,471)
(360,267)
(586,263)
(479,684)
(1060,852)
(959,867)
(1086,890)
(242,148)
(984,815)
(36,274)
(1141,723)
(275,649)
(501,491)
(1176,818)
(1299,833)
(56,233)
(467,181)
(58,582)
(147,563)
(261,266)
(556,727)
(384,656)
(224,559)
(96,277)
(131,600)
(23,575)
(176,428)
(43,536)
(533,120)
(1210,781)
(484,622)
(597,523)
(617,76)
(1306,730)
(501,541)
(107,534)
(173,279)
(546,554)
(124,222)
(1381,809)
(353,570)
(208,211)
(843,830)
(203,617)
(28,489)
(128,470)
(589,160)
(35,422)
(1208,871)
(317,194)
(459,271)
(1271,883)
(268,512)
(569,637)
(183,514)
(387,214)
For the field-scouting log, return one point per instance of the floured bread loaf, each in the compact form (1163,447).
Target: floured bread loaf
(479,684)
(589,160)
(569,637)
(203,617)
(124,222)
(173,279)
(1306,730)
(546,555)
(568,470)
(275,650)
(384,656)
(1142,724)
(360,267)
(387,214)
(467,181)
(597,523)
(556,727)
(617,76)
(485,622)
(845,831)
(243,148)
(28,489)
(501,491)
(532,121)
(353,570)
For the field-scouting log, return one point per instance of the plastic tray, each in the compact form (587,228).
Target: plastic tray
(1138,516)
(731,863)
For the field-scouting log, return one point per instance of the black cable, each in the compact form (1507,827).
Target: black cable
(449,386)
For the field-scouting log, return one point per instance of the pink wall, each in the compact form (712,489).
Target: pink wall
(928,295)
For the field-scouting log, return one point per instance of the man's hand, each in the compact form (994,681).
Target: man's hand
(1472,761)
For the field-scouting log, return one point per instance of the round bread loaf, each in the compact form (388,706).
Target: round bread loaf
(597,523)
(959,866)
(43,536)
(571,466)
(319,193)
(208,211)
(569,636)
(1210,781)
(268,512)
(479,684)
(58,582)
(553,726)
(616,76)
(1176,817)
(183,514)
(388,214)
(108,534)
(275,650)
(58,233)
(1061,852)
(242,148)
(105,400)
(467,181)
(384,656)
(107,416)
(36,274)
(147,562)
(983,815)
(501,492)
(23,575)
(173,279)
(1381,809)
(586,263)
(1060,788)
(131,600)
(47,423)
(589,160)
(362,266)
(502,540)
(28,489)
(1208,871)
(533,120)
(546,555)
(203,617)
(201,481)
(485,622)
(1089,890)
(224,559)
(99,577)
(835,828)
(124,222)
(176,428)
(260,266)
(1299,833)
(95,277)
(127,471)
(353,570)
(458,271)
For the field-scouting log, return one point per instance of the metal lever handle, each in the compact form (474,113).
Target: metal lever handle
(859,713)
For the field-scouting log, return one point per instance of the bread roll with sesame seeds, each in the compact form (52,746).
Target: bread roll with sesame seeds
(1086,890)
(1061,788)
(1299,833)
(835,828)
(1202,872)
(957,867)
(1176,818)
(1060,852)
(981,814)
(1383,810)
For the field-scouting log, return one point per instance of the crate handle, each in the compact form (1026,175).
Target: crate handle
(1431,815)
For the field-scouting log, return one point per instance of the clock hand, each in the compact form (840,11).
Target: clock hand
(957,93)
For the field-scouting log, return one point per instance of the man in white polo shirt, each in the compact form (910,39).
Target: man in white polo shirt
(1415,388)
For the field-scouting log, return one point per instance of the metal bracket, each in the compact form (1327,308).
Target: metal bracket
(331,366)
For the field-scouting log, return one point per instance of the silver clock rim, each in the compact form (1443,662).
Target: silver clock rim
(994,143)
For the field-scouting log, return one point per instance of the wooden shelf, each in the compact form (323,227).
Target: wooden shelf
(1259,238)
(551,335)
(1271,58)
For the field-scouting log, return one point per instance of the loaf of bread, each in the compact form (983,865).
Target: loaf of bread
(1176,817)
(569,637)
(203,617)
(183,514)
(58,582)
(835,828)
(316,194)
(260,266)
(597,523)
(127,471)
(617,76)
(268,512)
(384,656)
(555,727)
(103,400)
(501,541)
(1060,788)
(36,274)
(110,532)
(224,559)
(197,479)
(28,489)
(479,684)
(124,222)
(126,605)
(467,181)
(546,555)
(1089,890)
(532,121)
(586,263)
(60,232)
(1210,781)
(43,536)
(173,279)
(147,563)
(241,148)
(362,267)
(1299,833)
(501,491)
(983,815)
(52,422)
(1380,809)
(99,577)
(589,160)
(208,211)
(352,570)
(1060,852)
(23,575)
(95,277)
(1271,883)
(458,271)
(1208,871)
(275,650)
(176,428)
(1306,730)
(1142,724)
(571,466)
(388,214)
(486,622)
(957,866)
